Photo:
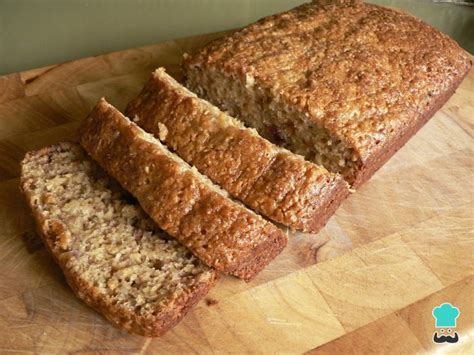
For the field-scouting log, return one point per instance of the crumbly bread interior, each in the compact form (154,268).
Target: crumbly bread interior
(274,120)
(108,241)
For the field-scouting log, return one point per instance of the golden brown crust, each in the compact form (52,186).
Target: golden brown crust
(147,326)
(222,233)
(366,74)
(379,157)
(267,178)
(55,234)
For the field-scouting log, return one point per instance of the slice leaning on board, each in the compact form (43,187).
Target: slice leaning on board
(184,203)
(113,256)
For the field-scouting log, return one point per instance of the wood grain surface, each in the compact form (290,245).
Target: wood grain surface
(400,245)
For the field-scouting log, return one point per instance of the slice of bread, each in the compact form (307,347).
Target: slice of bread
(112,254)
(222,233)
(343,83)
(269,179)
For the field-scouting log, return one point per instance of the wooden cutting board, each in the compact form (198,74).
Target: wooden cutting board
(368,281)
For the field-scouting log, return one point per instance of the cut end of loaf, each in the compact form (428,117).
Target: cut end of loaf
(344,85)
(112,254)
(279,123)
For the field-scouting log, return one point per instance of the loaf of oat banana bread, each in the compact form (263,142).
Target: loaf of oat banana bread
(271,180)
(110,251)
(343,83)
(221,232)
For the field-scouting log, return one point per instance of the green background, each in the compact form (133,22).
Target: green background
(36,33)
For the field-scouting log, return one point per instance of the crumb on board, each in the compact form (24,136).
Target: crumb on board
(211,301)
(32,241)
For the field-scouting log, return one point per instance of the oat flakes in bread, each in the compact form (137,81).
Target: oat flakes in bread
(112,254)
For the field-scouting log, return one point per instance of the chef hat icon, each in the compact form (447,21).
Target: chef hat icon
(445,315)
